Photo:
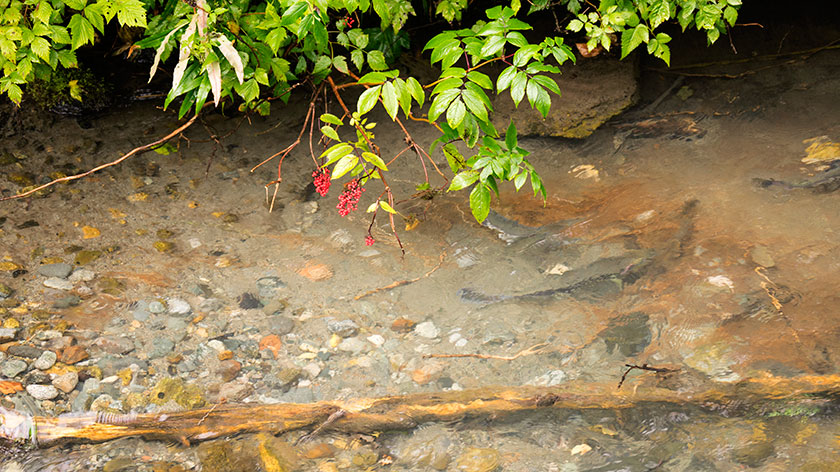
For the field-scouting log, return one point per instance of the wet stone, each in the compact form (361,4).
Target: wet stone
(59,270)
(353,345)
(229,370)
(761,256)
(7,334)
(140,311)
(42,392)
(28,352)
(73,354)
(427,329)
(629,334)
(45,360)
(85,257)
(66,382)
(282,325)
(115,344)
(5,291)
(57,283)
(753,455)
(156,307)
(12,368)
(66,302)
(82,275)
(177,306)
(268,287)
(343,328)
(35,377)
(210,305)
(161,347)
(248,301)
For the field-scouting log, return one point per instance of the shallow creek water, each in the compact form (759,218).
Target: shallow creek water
(660,250)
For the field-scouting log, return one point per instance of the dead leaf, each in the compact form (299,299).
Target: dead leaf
(214,73)
(89,232)
(9,387)
(232,56)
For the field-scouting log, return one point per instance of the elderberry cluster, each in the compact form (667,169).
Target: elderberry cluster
(349,198)
(369,240)
(322,181)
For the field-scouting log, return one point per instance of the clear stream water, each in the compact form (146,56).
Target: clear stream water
(656,245)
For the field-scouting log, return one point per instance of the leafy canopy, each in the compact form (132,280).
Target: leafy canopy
(255,52)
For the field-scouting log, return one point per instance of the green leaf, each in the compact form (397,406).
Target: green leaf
(322,64)
(336,152)
(368,98)
(376,60)
(344,165)
(482,80)
(340,63)
(358,37)
(480,202)
(331,119)
(632,38)
(416,90)
(389,99)
(67,58)
(373,78)
(375,160)
(538,98)
(441,103)
(454,159)
(76,4)
(329,132)
(510,137)
(524,54)
(59,34)
(131,13)
(41,48)
(275,39)
(475,104)
(387,207)
(519,180)
(15,93)
(455,113)
(248,90)
(94,14)
(730,15)
(575,25)
(463,179)
(81,31)
(517,87)
(358,58)
(546,82)
(492,46)
(505,79)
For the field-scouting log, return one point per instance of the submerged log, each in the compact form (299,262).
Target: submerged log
(405,411)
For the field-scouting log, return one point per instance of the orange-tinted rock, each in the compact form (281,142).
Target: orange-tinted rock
(320,450)
(73,354)
(402,325)
(315,271)
(273,343)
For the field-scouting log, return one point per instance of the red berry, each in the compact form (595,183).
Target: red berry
(369,240)
(322,181)
(349,198)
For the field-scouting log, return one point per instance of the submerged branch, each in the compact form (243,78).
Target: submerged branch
(408,411)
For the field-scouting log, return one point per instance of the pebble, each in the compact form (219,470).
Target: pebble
(234,391)
(354,345)
(427,329)
(82,275)
(46,360)
(13,367)
(115,344)
(161,347)
(550,379)
(7,334)
(28,352)
(376,340)
(141,311)
(102,403)
(177,306)
(47,335)
(66,302)
(761,256)
(282,324)
(210,305)
(66,382)
(42,392)
(312,369)
(156,307)
(267,287)
(5,291)
(216,345)
(58,270)
(247,301)
(229,369)
(57,283)
(73,354)
(343,328)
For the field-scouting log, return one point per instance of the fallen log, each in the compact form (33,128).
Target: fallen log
(407,411)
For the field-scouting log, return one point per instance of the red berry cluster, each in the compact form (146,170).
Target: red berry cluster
(322,181)
(349,198)
(348,21)
(369,240)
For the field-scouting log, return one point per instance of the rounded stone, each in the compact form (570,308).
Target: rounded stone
(66,382)
(13,367)
(59,269)
(427,329)
(46,360)
(343,328)
(42,392)
(177,306)
(156,307)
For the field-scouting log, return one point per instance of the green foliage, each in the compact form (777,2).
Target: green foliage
(252,52)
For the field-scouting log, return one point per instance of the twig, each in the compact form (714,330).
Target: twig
(134,151)
(535,349)
(658,370)
(330,420)
(649,109)
(210,411)
(401,282)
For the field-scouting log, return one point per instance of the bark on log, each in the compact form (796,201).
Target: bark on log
(405,411)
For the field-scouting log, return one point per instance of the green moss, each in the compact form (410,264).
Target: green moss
(54,92)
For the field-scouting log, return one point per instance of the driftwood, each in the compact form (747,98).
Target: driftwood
(406,411)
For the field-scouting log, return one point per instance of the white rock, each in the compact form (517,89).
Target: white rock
(461,342)
(581,449)
(427,329)
(376,340)
(454,337)
(353,345)
(66,382)
(721,281)
(42,392)
(60,284)
(312,369)
(46,360)
(558,269)
(82,275)
(194,243)
(176,306)
(216,345)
